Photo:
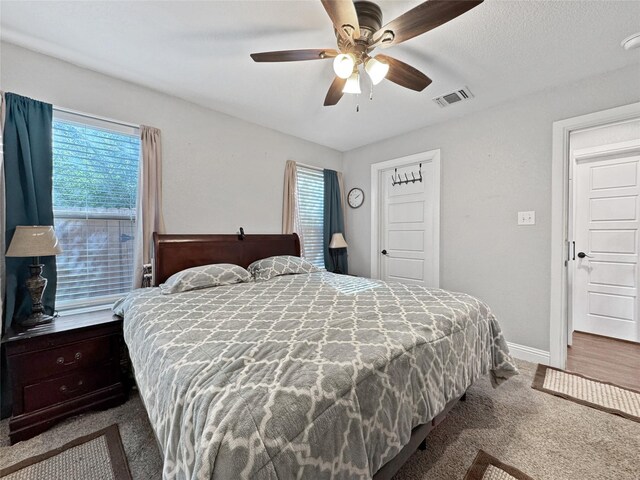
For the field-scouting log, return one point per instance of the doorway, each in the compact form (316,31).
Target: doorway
(595,230)
(405,240)
(604,229)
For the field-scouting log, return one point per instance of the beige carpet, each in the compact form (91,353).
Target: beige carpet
(545,436)
(135,431)
(98,456)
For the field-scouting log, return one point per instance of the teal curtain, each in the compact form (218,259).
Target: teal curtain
(335,260)
(28,170)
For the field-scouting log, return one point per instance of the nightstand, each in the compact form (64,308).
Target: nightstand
(77,363)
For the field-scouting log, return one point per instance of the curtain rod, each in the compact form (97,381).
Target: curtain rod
(95,117)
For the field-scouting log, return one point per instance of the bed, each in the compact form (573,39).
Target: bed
(307,376)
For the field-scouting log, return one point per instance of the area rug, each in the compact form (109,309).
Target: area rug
(588,391)
(486,467)
(98,456)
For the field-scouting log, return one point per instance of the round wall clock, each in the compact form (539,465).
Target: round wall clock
(355,197)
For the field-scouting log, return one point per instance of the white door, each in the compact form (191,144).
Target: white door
(606,232)
(408,248)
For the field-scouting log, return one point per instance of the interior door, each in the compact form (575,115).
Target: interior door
(407,226)
(606,224)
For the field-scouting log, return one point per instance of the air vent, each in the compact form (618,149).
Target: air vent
(454,97)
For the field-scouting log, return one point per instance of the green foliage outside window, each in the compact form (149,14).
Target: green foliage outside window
(93,168)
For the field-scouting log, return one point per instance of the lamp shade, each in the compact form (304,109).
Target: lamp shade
(38,241)
(353,84)
(377,70)
(343,65)
(337,241)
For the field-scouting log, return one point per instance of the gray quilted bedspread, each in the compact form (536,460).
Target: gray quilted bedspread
(310,376)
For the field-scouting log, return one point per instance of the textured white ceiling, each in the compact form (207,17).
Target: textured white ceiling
(200,51)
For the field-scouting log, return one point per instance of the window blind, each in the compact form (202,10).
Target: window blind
(95,183)
(311,204)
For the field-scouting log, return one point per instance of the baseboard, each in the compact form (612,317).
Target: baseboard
(530,354)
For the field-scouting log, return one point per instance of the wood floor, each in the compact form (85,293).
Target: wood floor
(605,359)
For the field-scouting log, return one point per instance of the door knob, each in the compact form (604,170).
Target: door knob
(582,255)
(384,252)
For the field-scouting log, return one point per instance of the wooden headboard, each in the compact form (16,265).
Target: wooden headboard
(173,253)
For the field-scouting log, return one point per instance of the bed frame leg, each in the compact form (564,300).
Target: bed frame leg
(423,445)
(463,398)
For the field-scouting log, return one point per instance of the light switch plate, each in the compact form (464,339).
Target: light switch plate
(527,218)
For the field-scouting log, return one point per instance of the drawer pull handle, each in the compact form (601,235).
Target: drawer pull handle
(65,389)
(77,356)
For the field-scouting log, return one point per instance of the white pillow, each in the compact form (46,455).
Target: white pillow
(204,277)
(280,265)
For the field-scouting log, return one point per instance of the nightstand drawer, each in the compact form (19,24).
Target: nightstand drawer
(67,358)
(74,364)
(67,387)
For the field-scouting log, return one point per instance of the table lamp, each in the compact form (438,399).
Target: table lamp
(337,241)
(37,241)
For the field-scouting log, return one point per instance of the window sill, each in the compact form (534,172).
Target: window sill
(79,310)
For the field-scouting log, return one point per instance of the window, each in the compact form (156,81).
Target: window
(311,204)
(95,183)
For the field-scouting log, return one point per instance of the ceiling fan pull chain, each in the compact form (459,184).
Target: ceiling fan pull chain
(357,103)
(371,92)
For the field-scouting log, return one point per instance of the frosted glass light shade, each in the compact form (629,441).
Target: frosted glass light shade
(353,84)
(338,241)
(377,70)
(37,241)
(343,65)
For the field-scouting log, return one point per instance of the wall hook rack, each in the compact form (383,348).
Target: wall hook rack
(396,179)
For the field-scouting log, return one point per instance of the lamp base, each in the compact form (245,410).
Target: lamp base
(35,319)
(36,284)
(334,256)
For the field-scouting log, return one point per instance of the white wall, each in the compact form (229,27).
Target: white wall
(219,172)
(494,163)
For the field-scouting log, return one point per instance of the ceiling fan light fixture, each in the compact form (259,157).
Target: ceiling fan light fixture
(376,69)
(343,65)
(353,84)
(359,30)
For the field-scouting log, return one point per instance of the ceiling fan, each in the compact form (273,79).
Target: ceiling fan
(358,28)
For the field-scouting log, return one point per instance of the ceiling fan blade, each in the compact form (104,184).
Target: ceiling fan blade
(421,19)
(335,92)
(344,17)
(294,55)
(403,74)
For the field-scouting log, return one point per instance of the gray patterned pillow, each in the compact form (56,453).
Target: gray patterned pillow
(280,265)
(204,277)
